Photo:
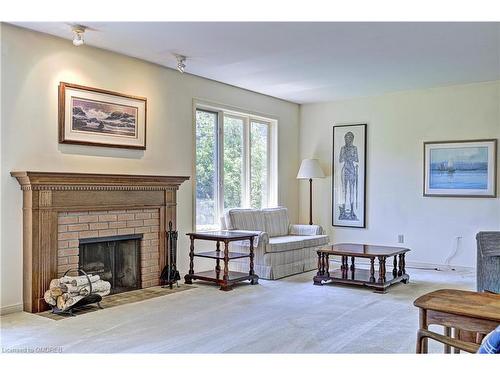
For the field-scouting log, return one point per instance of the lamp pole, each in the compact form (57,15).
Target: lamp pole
(309,169)
(310,201)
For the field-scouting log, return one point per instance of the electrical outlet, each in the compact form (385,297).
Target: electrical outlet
(401,238)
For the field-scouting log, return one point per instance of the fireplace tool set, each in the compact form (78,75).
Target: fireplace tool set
(170,274)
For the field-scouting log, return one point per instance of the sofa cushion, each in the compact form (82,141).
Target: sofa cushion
(276,220)
(316,240)
(284,243)
(305,230)
(246,219)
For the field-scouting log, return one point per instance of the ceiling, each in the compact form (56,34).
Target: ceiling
(306,62)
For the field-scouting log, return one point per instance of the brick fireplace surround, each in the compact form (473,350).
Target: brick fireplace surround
(61,208)
(73,226)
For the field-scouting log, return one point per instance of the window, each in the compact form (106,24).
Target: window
(235,164)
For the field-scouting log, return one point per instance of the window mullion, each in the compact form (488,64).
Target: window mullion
(246,162)
(220,163)
(268,167)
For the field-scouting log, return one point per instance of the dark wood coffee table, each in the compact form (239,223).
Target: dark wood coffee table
(379,280)
(229,278)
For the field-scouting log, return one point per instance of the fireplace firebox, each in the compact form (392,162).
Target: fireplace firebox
(115,259)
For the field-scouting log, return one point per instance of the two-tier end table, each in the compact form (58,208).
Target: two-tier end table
(229,278)
(379,280)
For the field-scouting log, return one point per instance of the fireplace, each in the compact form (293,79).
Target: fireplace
(60,210)
(115,259)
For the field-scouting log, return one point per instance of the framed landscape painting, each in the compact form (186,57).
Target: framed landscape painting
(91,116)
(349,176)
(460,168)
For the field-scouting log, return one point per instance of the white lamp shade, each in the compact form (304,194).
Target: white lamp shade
(310,168)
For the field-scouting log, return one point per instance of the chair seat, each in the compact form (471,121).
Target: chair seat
(287,243)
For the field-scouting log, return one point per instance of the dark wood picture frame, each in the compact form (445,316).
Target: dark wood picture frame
(63,138)
(495,170)
(364,160)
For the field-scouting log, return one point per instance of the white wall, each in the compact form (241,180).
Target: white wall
(398,124)
(33,64)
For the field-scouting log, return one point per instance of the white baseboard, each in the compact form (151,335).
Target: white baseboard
(439,267)
(4,310)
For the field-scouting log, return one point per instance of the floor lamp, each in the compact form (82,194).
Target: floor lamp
(310,169)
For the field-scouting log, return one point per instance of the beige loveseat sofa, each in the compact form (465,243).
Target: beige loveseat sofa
(281,249)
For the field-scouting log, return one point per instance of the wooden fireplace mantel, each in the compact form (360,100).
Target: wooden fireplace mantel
(93,181)
(45,194)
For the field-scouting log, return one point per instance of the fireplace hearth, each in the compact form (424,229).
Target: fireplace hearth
(115,259)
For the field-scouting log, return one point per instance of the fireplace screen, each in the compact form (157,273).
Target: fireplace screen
(115,259)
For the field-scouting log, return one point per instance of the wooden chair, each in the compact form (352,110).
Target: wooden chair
(472,315)
(457,342)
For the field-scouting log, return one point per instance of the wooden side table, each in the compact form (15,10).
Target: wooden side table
(229,278)
(458,309)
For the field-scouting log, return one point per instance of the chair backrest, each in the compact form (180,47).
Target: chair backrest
(488,243)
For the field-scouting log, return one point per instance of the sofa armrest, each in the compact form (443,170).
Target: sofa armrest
(488,244)
(262,239)
(305,230)
(259,243)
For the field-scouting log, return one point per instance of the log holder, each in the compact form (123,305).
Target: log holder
(89,299)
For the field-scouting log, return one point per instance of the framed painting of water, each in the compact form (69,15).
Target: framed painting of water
(460,168)
(91,116)
(349,176)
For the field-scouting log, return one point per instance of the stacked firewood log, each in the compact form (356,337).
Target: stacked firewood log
(68,290)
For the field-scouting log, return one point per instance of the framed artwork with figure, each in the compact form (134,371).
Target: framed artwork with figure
(349,176)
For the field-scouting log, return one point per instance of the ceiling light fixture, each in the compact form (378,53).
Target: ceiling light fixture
(78,33)
(181,63)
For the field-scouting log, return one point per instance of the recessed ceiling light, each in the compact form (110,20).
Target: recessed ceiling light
(78,33)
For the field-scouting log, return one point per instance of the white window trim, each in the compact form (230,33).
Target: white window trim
(272,152)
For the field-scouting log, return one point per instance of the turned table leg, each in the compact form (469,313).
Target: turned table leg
(225,279)
(251,272)
(254,279)
(402,265)
(344,267)
(187,278)
(381,269)
(327,265)
(320,275)
(319,264)
(217,262)
(395,266)
(372,270)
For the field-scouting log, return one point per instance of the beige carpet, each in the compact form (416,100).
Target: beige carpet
(283,316)
(120,299)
